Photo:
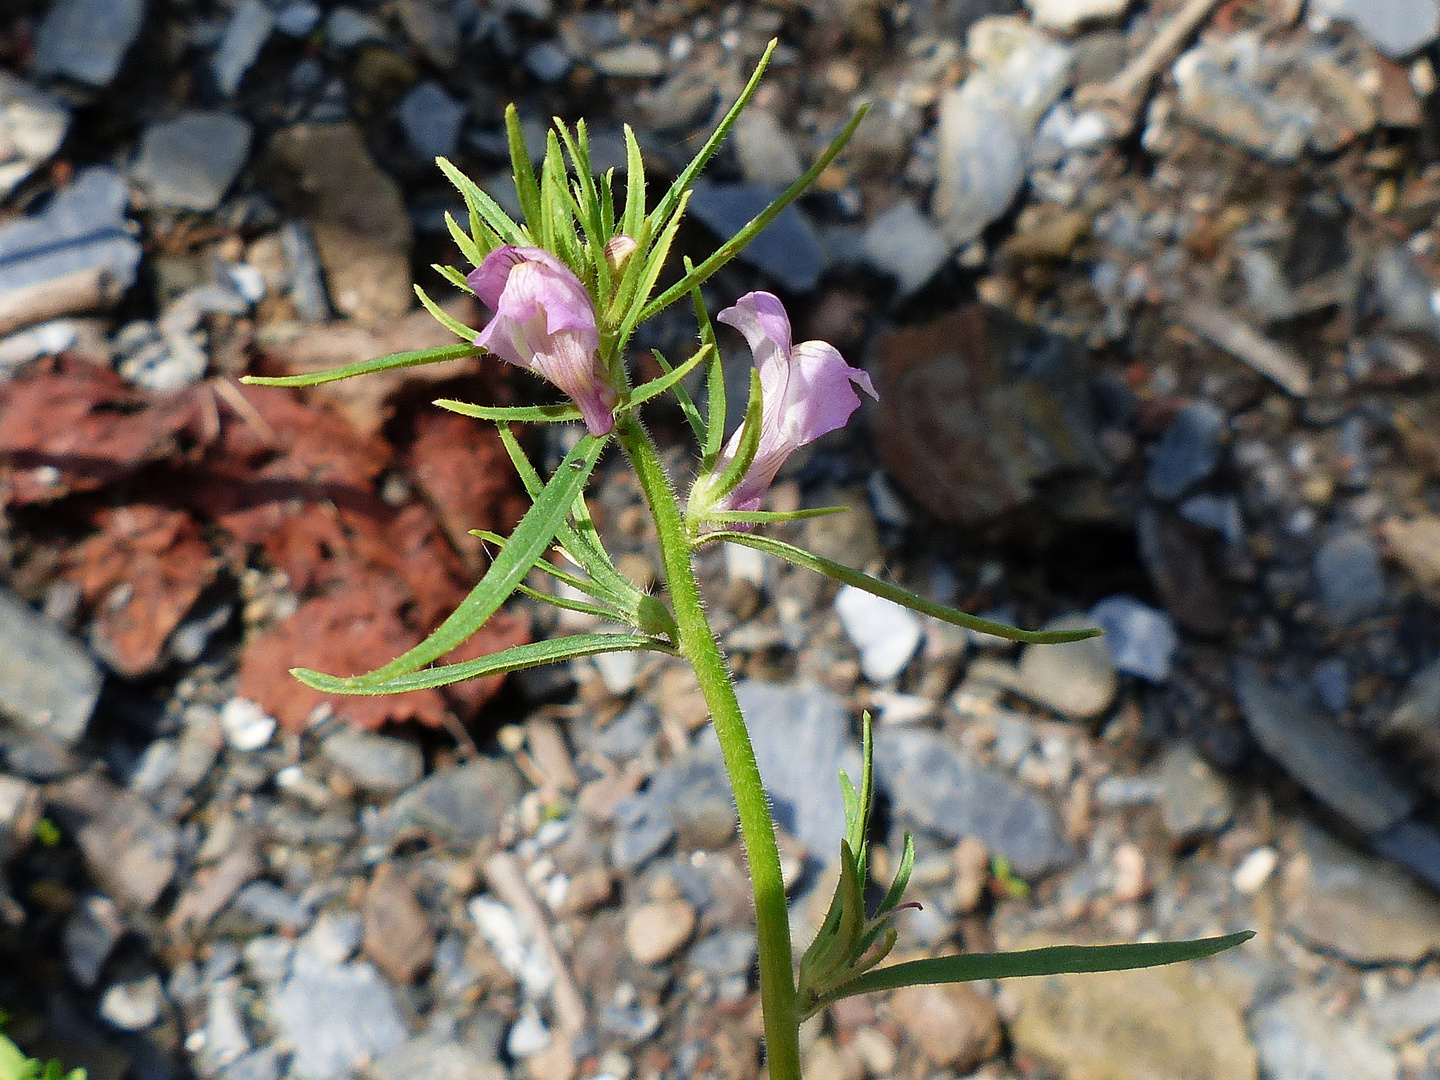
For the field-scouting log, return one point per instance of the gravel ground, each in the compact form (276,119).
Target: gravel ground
(1149,294)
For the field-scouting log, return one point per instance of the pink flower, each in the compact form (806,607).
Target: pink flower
(807,393)
(545,321)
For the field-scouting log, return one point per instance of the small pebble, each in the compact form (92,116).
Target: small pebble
(133,1006)
(245,725)
(654,932)
(1255,870)
(885,633)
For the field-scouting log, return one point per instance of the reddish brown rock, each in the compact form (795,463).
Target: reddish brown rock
(398,934)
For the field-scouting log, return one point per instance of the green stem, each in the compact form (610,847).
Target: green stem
(757,830)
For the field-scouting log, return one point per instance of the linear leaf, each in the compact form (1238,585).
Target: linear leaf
(468,248)
(686,179)
(454,325)
(454,276)
(634,212)
(483,209)
(1054,960)
(656,387)
(607,613)
(365,367)
(736,468)
(903,597)
(767,517)
(654,264)
(732,247)
(527,544)
(520,414)
(714,435)
(545,565)
(513,659)
(686,402)
(527,189)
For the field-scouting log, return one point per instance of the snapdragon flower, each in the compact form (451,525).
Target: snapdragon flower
(808,391)
(545,322)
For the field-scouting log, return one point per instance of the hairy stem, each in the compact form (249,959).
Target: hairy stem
(757,830)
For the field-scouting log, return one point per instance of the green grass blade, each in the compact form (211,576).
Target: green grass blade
(847,576)
(686,179)
(656,387)
(521,656)
(527,544)
(732,247)
(1055,960)
(365,367)
(519,414)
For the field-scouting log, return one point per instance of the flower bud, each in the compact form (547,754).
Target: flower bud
(618,252)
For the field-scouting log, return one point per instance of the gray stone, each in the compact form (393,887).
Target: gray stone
(463,805)
(884,633)
(1397,27)
(802,740)
(632,60)
(1348,577)
(786,250)
(725,953)
(307,276)
(766,151)
(905,244)
(1414,723)
(548,61)
(346,28)
(129,849)
(86,40)
(226,1039)
(378,763)
(191,161)
(1403,290)
(1068,14)
(245,35)
(432,120)
(338,1017)
(1364,909)
(1076,679)
(47,339)
(268,904)
(642,829)
(48,681)
(298,18)
(82,228)
(267,958)
(1324,758)
(1193,800)
(32,126)
(1407,1013)
(1300,1039)
(1188,451)
(262,1064)
(933,784)
(1141,639)
(91,934)
(433,1057)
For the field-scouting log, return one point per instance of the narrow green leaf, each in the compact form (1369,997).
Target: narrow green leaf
(1055,960)
(514,659)
(901,881)
(681,187)
(519,414)
(607,202)
(528,476)
(656,387)
(634,212)
(527,188)
(735,470)
(557,206)
(903,597)
(527,544)
(654,264)
(454,325)
(454,276)
(714,436)
(485,212)
(468,248)
(607,613)
(737,243)
(587,199)
(545,565)
(768,517)
(685,401)
(365,367)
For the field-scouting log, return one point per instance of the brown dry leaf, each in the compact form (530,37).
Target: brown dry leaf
(78,427)
(141,573)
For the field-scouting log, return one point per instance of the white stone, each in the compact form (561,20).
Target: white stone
(905,244)
(1068,14)
(744,564)
(245,724)
(885,633)
(133,1006)
(1254,870)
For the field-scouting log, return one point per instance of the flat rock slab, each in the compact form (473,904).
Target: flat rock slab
(1362,908)
(48,682)
(190,162)
(1156,1024)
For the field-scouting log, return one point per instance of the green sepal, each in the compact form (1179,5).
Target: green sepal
(1053,960)
(527,544)
(365,367)
(536,653)
(519,414)
(772,517)
(737,243)
(717,487)
(655,387)
(847,576)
